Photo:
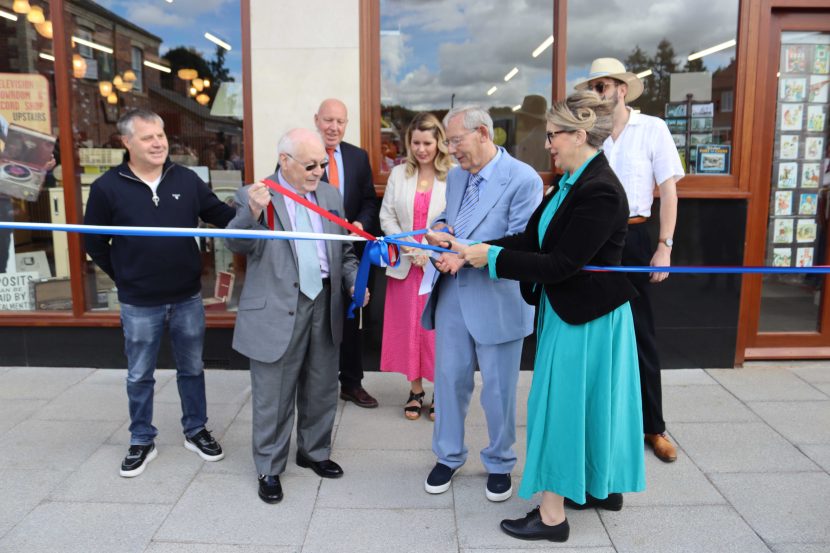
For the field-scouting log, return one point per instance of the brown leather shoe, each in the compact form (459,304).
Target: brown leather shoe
(663,448)
(359,396)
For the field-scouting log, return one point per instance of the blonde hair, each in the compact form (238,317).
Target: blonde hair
(427,122)
(587,111)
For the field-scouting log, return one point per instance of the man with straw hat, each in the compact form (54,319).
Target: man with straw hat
(642,153)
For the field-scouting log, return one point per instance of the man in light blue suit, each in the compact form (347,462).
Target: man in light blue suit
(479,321)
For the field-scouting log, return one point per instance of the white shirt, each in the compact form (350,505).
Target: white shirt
(644,155)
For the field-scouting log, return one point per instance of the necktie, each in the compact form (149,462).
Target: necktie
(468,206)
(334,173)
(311,281)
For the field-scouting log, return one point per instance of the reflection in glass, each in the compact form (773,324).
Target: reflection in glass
(800,188)
(684,53)
(436,55)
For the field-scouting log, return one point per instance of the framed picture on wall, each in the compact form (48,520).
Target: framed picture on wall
(782,257)
(713,159)
(783,231)
(804,257)
(810,175)
(814,147)
(675,110)
(791,117)
(793,90)
(795,58)
(788,148)
(815,118)
(807,204)
(805,231)
(783,203)
(819,85)
(787,175)
(821,59)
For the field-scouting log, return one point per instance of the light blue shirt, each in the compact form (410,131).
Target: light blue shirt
(315,218)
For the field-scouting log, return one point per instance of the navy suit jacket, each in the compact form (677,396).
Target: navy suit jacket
(359,198)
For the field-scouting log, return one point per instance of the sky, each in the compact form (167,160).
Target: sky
(432,49)
(184,23)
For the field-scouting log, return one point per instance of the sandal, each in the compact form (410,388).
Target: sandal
(413,412)
(432,409)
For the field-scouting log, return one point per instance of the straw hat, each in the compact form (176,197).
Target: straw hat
(613,69)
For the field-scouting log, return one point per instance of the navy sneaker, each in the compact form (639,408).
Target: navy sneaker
(136,460)
(439,478)
(499,487)
(204,444)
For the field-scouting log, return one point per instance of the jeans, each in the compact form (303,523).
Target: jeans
(143,329)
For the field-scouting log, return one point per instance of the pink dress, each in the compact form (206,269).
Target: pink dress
(408,348)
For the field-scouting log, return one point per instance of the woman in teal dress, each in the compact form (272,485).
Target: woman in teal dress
(584,430)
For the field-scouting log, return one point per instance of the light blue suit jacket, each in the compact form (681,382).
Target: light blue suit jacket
(493,310)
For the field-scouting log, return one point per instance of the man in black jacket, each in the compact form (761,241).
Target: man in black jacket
(350,172)
(158,278)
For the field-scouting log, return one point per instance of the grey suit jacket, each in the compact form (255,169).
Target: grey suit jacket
(265,321)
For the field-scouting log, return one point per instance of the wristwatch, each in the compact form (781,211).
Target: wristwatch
(668,242)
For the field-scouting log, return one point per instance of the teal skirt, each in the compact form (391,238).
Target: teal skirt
(584,415)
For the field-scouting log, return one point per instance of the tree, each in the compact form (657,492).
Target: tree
(184,58)
(221,74)
(695,65)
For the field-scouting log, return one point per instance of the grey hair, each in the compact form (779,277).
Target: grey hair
(584,110)
(474,117)
(125,122)
(288,142)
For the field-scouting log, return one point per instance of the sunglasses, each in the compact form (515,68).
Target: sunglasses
(600,87)
(313,165)
(551,135)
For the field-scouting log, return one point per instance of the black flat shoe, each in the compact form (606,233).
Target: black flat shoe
(531,527)
(613,502)
(270,490)
(324,469)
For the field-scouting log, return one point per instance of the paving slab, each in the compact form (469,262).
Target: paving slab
(559,548)
(14,411)
(163,481)
(801,422)
(381,531)
(687,377)
(229,511)
(22,490)
(801,547)
(38,382)
(703,404)
(765,385)
(381,428)
(688,529)
(739,447)
(53,445)
(677,483)
(819,453)
(175,547)
(815,373)
(781,508)
(220,387)
(85,528)
(87,402)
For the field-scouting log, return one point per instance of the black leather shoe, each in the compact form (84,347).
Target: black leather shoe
(359,397)
(326,469)
(531,527)
(613,502)
(270,490)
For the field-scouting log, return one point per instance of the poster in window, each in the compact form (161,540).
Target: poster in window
(810,174)
(788,148)
(703,110)
(804,257)
(791,117)
(821,59)
(675,110)
(793,90)
(676,125)
(696,139)
(807,204)
(819,85)
(787,175)
(782,257)
(806,230)
(815,118)
(679,140)
(701,124)
(783,203)
(713,159)
(783,231)
(814,147)
(795,59)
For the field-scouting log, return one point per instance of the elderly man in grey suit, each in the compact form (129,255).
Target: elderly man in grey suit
(290,319)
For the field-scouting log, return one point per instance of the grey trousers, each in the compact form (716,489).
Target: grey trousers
(308,372)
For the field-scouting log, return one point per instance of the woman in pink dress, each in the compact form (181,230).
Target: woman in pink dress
(414,196)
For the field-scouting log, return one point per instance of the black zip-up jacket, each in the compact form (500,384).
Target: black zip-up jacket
(151,270)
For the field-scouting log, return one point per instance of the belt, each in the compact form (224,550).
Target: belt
(637,220)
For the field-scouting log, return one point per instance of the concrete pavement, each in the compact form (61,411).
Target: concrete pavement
(752,475)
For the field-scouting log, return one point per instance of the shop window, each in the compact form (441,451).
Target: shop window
(156,56)
(28,130)
(435,55)
(685,55)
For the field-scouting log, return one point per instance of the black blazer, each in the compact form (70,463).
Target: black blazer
(588,229)
(359,198)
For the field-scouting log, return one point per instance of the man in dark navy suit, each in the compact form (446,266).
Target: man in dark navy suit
(350,172)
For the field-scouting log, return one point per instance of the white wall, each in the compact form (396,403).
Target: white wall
(302,52)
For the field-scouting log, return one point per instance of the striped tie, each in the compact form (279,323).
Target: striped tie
(468,206)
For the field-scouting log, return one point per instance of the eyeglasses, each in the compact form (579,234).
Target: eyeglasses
(313,165)
(600,87)
(456,140)
(551,135)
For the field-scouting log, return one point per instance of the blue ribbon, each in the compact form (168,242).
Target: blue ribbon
(819,270)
